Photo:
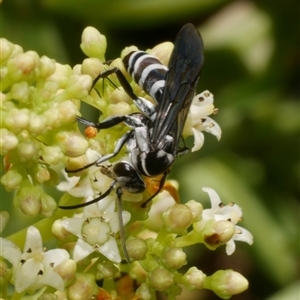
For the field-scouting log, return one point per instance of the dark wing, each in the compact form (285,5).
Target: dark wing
(181,81)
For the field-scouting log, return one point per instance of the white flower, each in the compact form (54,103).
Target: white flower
(34,268)
(198,120)
(96,228)
(231,213)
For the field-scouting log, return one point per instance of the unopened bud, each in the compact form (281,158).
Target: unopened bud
(93,43)
(59,231)
(218,234)
(160,279)
(173,258)
(84,287)
(226,283)
(8,141)
(67,270)
(163,52)
(106,270)
(136,248)
(72,144)
(92,67)
(178,218)
(11,179)
(6,49)
(193,279)
(196,208)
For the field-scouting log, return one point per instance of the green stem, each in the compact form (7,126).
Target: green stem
(192,238)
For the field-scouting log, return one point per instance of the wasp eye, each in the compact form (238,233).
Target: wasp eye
(123,169)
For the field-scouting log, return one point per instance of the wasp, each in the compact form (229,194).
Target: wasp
(153,140)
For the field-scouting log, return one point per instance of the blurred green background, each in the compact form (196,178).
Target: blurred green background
(252,68)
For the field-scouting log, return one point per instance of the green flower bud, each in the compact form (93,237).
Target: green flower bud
(120,109)
(84,287)
(47,66)
(20,91)
(178,218)
(173,258)
(72,144)
(5,273)
(226,283)
(51,155)
(37,124)
(106,270)
(196,209)
(67,270)
(193,279)
(93,43)
(144,292)
(160,279)
(11,179)
(27,199)
(136,248)
(8,141)
(61,75)
(4,217)
(32,200)
(53,178)
(67,112)
(92,67)
(6,49)
(17,119)
(48,205)
(59,231)
(23,66)
(119,95)
(163,52)
(218,233)
(76,163)
(79,86)
(42,175)
(28,150)
(3,75)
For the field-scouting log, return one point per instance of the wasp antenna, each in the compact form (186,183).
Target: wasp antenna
(121,224)
(83,168)
(102,196)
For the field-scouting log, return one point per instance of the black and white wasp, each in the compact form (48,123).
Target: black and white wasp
(153,141)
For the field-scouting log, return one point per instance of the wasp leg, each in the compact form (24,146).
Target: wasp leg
(160,187)
(110,122)
(102,196)
(119,193)
(145,106)
(121,142)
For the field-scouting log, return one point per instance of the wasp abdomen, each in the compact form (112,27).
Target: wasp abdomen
(147,71)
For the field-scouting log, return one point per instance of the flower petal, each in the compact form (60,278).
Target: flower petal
(10,251)
(230,247)
(213,128)
(26,274)
(51,278)
(55,257)
(73,225)
(82,250)
(33,241)
(244,235)
(213,197)
(110,250)
(198,139)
